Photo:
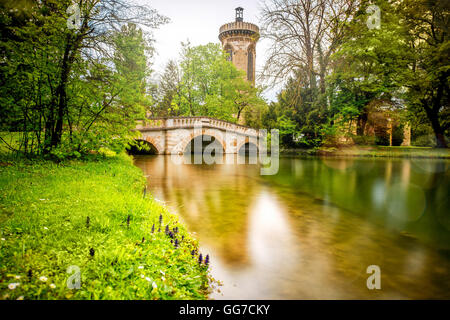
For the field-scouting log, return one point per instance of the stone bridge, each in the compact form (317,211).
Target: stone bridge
(173,135)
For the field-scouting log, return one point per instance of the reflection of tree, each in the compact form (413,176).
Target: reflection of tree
(388,193)
(336,246)
(437,211)
(213,200)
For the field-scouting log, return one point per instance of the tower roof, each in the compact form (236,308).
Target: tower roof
(239,14)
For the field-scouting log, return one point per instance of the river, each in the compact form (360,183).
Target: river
(312,230)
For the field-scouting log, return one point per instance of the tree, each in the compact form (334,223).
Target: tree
(109,94)
(426,25)
(368,67)
(303,35)
(47,57)
(169,86)
(212,86)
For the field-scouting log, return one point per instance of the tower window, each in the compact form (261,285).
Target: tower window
(230,55)
(250,65)
(229,51)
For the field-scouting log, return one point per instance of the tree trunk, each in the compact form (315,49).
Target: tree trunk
(433,112)
(437,128)
(361,124)
(61,94)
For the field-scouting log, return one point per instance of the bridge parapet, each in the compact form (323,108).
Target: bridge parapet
(152,124)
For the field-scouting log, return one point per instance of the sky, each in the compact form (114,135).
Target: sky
(199,21)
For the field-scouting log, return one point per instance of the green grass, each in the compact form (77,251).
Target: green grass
(391,152)
(44,208)
(374,151)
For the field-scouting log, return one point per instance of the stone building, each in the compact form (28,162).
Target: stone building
(239,39)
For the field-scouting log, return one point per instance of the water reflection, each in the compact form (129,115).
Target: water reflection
(311,231)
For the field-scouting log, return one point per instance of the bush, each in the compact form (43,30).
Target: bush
(364,140)
(424,141)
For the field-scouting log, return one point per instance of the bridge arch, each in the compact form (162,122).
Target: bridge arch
(247,143)
(155,143)
(152,147)
(216,134)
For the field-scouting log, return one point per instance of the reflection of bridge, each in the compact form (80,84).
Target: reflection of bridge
(173,135)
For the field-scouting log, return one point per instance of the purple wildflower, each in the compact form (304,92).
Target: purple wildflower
(207,260)
(200,259)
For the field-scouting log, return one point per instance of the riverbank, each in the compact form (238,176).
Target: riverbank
(91,215)
(373,151)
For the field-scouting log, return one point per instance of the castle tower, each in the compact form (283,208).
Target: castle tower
(239,39)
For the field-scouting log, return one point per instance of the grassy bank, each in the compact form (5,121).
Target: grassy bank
(373,151)
(93,215)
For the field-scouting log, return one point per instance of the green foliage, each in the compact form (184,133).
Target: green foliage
(368,67)
(426,26)
(398,71)
(51,216)
(169,86)
(400,65)
(206,84)
(301,113)
(73,91)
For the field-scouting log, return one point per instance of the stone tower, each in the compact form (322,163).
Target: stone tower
(239,40)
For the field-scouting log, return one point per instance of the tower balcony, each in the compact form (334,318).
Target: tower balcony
(239,28)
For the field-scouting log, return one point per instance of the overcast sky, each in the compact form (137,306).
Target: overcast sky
(199,21)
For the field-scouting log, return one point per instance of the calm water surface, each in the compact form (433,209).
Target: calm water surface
(311,231)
